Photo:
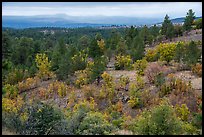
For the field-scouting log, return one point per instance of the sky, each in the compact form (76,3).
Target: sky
(128,9)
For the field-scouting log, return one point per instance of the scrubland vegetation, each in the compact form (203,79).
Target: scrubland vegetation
(63,82)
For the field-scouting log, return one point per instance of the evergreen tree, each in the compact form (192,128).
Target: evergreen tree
(6,45)
(170,31)
(192,54)
(138,49)
(154,30)
(94,49)
(167,28)
(165,25)
(189,20)
(121,47)
(145,35)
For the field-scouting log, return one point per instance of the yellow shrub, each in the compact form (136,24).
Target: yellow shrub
(44,66)
(12,105)
(197,69)
(29,83)
(62,89)
(123,62)
(10,90)
(151,55)
(124,80)
(166,51)
(140,66)
(119,106)
(101,44)
(183,112)
(81,78)
(108,86)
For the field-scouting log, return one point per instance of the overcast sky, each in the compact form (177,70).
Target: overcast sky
(130,9)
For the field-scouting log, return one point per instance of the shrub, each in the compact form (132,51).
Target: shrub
(198,23)
(140,82)
(94,124)
(11,91)
(79,60)
(197,69)
(140,66)
(179,49)
(72,99)
(78,113)
(97,68)
(134,102)
(62,90)
(189,129)
(178,31)
(182,112)
(135,93)
(191,53)
(166,51)
(124,81)
(76,117)
(182,86)
(44,67)
(152,70)
(11,113)
(151,55)
(123,62)
(159,79)
(114,115)
(44,120)
(108,86)
(81,78)
(89,91)
(165,89)
(16,76)
(93,70)
(197,120)
(147,97)
(160,120)
(29,83)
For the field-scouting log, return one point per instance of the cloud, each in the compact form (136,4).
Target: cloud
(131,9)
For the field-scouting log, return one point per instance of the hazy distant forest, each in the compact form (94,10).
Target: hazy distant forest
(114,81)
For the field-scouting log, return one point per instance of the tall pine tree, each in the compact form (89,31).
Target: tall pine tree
(167,28)
(187,26)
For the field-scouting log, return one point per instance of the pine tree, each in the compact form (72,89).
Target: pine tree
(167,28)
(165,25)
(170,31)
(189,20)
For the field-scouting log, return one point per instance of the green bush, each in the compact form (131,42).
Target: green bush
(135,93)
(95,124)
(16,76)
(116,119)
(98,67)
(159,79)
(75,119)
(160,120)
(198,23)
(192,53)
(179,49)
(43,119)
(165,89)
(79,60)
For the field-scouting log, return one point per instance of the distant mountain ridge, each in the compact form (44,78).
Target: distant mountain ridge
(63,20)
(179,20)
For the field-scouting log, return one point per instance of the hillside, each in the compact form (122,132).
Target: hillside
(102,81)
